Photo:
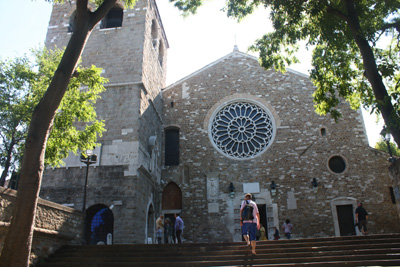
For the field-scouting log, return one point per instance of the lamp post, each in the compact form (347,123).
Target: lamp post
(386,137)
(88,158)
(231,190)
(314,185)
(273,188)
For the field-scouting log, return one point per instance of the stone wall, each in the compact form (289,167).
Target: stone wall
(55,225)
(394,170)
(301,150)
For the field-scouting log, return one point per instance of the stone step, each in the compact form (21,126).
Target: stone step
(244,250)
(374,250)
(260,254)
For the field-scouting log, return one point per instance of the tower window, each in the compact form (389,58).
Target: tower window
(161,54)
(154,34)
(323,132)
(113,19)
(171,147)
(71,25)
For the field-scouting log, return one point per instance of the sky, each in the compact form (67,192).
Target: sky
(195,41)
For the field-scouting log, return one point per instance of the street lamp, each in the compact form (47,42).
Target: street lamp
(231,190)
(314,185)
(386,137)
(88,158)
(273,188)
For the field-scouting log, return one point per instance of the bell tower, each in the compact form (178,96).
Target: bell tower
(131,47)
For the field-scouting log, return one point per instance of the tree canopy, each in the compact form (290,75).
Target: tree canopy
(349,59)
(382,145)
(22,85)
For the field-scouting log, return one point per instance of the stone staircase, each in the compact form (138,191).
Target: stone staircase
(371,250)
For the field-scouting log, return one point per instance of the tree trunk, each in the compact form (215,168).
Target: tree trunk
(371,71)
(8,162)
(17,246)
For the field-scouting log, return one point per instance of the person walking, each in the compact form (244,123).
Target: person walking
(361,219)
(287,229)
(249,221)
(178,227)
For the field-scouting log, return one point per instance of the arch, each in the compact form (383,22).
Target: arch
(150,225)
(99,222)
(113,18)
(172,197)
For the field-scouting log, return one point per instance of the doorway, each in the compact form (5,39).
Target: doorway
(99,222)
(346,220)
(262,209)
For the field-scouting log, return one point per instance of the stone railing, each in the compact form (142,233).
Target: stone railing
(55,225)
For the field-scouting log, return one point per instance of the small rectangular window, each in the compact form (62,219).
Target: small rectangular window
(113,19)
(171,147)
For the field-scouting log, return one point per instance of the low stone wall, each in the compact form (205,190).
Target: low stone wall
(394,171)
(55,225)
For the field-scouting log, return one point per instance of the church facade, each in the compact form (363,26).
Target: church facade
(197,146)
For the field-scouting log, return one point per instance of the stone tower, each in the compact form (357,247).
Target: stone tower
(123,186)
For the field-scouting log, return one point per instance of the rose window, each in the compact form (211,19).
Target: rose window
(242,130)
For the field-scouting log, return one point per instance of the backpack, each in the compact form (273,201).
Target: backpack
(247,212)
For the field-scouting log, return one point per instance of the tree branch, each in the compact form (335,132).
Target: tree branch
(388,26)
(338,13)
(102,11)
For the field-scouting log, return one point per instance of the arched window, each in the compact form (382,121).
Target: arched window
(154,34)
(71,25)
(161,54)
(171,147)
(113,19)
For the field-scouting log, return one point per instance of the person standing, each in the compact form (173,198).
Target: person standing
(287,229)
(361,218)
(178,227)
(158,234)
(276,234)
(160,223)
(249,223)
(169,231)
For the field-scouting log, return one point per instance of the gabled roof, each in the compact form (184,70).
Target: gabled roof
(234,53)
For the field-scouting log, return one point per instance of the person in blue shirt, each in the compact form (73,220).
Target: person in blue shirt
(178,227)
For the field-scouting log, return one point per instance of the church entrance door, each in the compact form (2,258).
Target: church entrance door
(346,220)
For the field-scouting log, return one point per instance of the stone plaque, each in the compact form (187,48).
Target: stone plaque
(251,188)
(291,201)
(213,207)
(212,188)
